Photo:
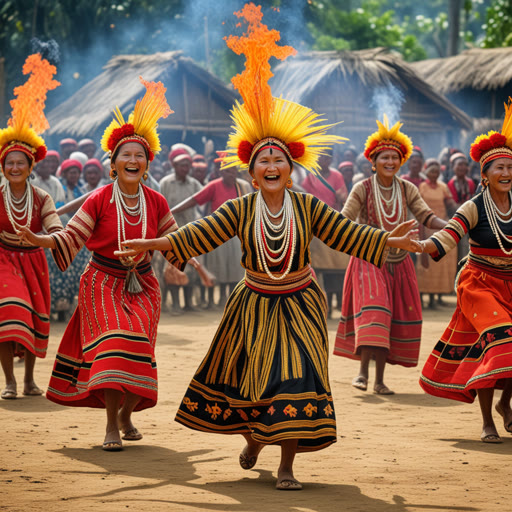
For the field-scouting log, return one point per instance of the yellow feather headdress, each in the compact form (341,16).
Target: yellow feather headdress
(488,147)
(142,124)
(27,118)
(388,138)
(263,119)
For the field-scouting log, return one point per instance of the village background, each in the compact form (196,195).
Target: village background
(442,67)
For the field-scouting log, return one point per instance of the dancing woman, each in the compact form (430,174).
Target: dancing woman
(106,358)
(25,289)
(473,356)
(265,375)
(381,308)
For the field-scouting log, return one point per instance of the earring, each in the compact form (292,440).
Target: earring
(485,182)
(289,183)
(145,176)
(113,174)
(255,184)
(374,169)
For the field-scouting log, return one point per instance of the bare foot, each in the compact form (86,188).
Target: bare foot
(30,388)
(287,482)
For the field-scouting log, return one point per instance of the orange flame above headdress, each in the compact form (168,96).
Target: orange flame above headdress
(27,119)
(262,118)
(142,123)
(488,147)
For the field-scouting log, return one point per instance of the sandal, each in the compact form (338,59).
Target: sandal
(132,435)
(491,438)
(360,382)
(247,462)
(112,446)
(8,394)
(289,484)
(382,389)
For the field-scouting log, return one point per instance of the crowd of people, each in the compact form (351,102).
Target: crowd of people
(286,235)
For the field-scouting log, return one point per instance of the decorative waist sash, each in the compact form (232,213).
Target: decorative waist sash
(294,281)
(115,267)
(505,274)
(18,248)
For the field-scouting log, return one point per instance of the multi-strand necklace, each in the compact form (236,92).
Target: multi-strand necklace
(267,233)
(19,209)
(140,210)
(495,216)
(382,204)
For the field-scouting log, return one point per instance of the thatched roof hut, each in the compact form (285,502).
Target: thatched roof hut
(201,102)
(478,80)
(342,85)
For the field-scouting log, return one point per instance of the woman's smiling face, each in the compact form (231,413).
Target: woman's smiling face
(131,163)
(271,170)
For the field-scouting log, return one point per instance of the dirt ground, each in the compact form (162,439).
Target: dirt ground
(404,453)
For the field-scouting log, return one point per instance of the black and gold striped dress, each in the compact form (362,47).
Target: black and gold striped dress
(266,370)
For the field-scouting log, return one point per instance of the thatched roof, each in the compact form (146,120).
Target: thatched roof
(201,102)
(477,68)
(357,74)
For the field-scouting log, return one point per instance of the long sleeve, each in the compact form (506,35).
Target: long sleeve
(465,218)
(344,235)
(355,206)
(419,208)
(72,238)
(206,234)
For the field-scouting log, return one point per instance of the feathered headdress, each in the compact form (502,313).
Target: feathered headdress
(27,118)
(388,138)
(142,122)
(494,145)
(263,119)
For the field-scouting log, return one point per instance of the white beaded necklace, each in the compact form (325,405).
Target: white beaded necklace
(15,213)
(493,215)
(285,231)
(381,202)
(132,283)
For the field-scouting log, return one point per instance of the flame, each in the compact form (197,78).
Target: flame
(258,45)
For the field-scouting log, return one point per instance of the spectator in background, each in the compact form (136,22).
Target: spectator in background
(176,188)
(350,154)
(87,146)
(157,170)
(346,169)
(93,175)
(70,174)
(414,166)
(67,146)
(224,261)
(199,171)
(363,169)
(47,181)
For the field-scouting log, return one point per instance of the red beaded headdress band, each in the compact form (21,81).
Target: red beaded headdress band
(295,129)
(27,119)
(142,122)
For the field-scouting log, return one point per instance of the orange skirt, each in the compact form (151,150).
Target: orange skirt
(475,350)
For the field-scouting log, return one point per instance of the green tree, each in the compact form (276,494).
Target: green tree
(498,26)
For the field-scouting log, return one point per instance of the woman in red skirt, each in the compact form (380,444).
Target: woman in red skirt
(381,307)
(474,355)
(24,288)
(106,358)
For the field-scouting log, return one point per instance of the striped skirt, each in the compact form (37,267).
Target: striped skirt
(266,370)
(475,350)
(24,298)
(380,308)
(110,340)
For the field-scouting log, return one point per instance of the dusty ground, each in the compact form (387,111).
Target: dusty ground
(408,452)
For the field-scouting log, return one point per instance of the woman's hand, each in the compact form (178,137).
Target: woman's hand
(207,278)
(138,245)
(404,228)
(407,242)
(28,237)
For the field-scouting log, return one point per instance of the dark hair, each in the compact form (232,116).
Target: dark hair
(29,161)
(487,166)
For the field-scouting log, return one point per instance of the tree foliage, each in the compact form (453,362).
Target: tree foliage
(498,26)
